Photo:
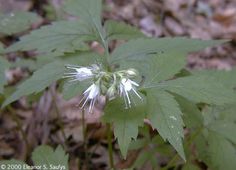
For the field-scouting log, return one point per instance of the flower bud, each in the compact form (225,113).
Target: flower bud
(131,72)
(111,92)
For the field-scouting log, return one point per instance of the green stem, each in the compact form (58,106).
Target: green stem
(110,149)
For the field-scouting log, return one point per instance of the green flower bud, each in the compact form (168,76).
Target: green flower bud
(132,72)
(111,92)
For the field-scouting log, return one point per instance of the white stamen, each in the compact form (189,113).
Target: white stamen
(92,94)
(79,73)
(127,85)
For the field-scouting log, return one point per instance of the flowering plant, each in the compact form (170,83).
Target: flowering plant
(142,79)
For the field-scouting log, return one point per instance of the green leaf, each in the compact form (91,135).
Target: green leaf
(119,30)
(3,66)
(156,68)
(81,58)
(12,164)
(143,158)
(72,89)
(125,121)
(227,78)
(157,59)
(199,89)
(16,22)
(224,128)
(191,114)
(45,157)
(144,47)
(222,153)
(60,37)
(88,11)
(165,116)
(213,145)
(41,79)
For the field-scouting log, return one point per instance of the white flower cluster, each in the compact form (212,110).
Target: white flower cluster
(104,83)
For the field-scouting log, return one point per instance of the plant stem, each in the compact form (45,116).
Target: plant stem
(110,149)
(84,129)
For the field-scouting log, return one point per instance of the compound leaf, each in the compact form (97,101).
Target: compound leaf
(144,47)
(120,30)
(41,79)
(225,129)
(16,22)
(221,152)
(191,114)
(153,58)
(60,37)
(165,116)
(227,78)
(125,121)
(45,157)
(199,89)
(88,11)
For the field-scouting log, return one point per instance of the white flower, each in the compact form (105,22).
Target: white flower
(126,86)
(79,73)
(91,94)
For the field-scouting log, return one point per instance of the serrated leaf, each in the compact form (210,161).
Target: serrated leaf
(125,121)
(165,116)
(72,89)
(16,22)
(143,157)
(41,79)
(88,11)
(10,164)
(221,152)
(227,78)
(153,58)
(199,89)
(45,156)
(191,114)
(156,68)
(60,37)
(225,129)
(144,47)
(119,30)
(3,66)
(213,145)
(85,58)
